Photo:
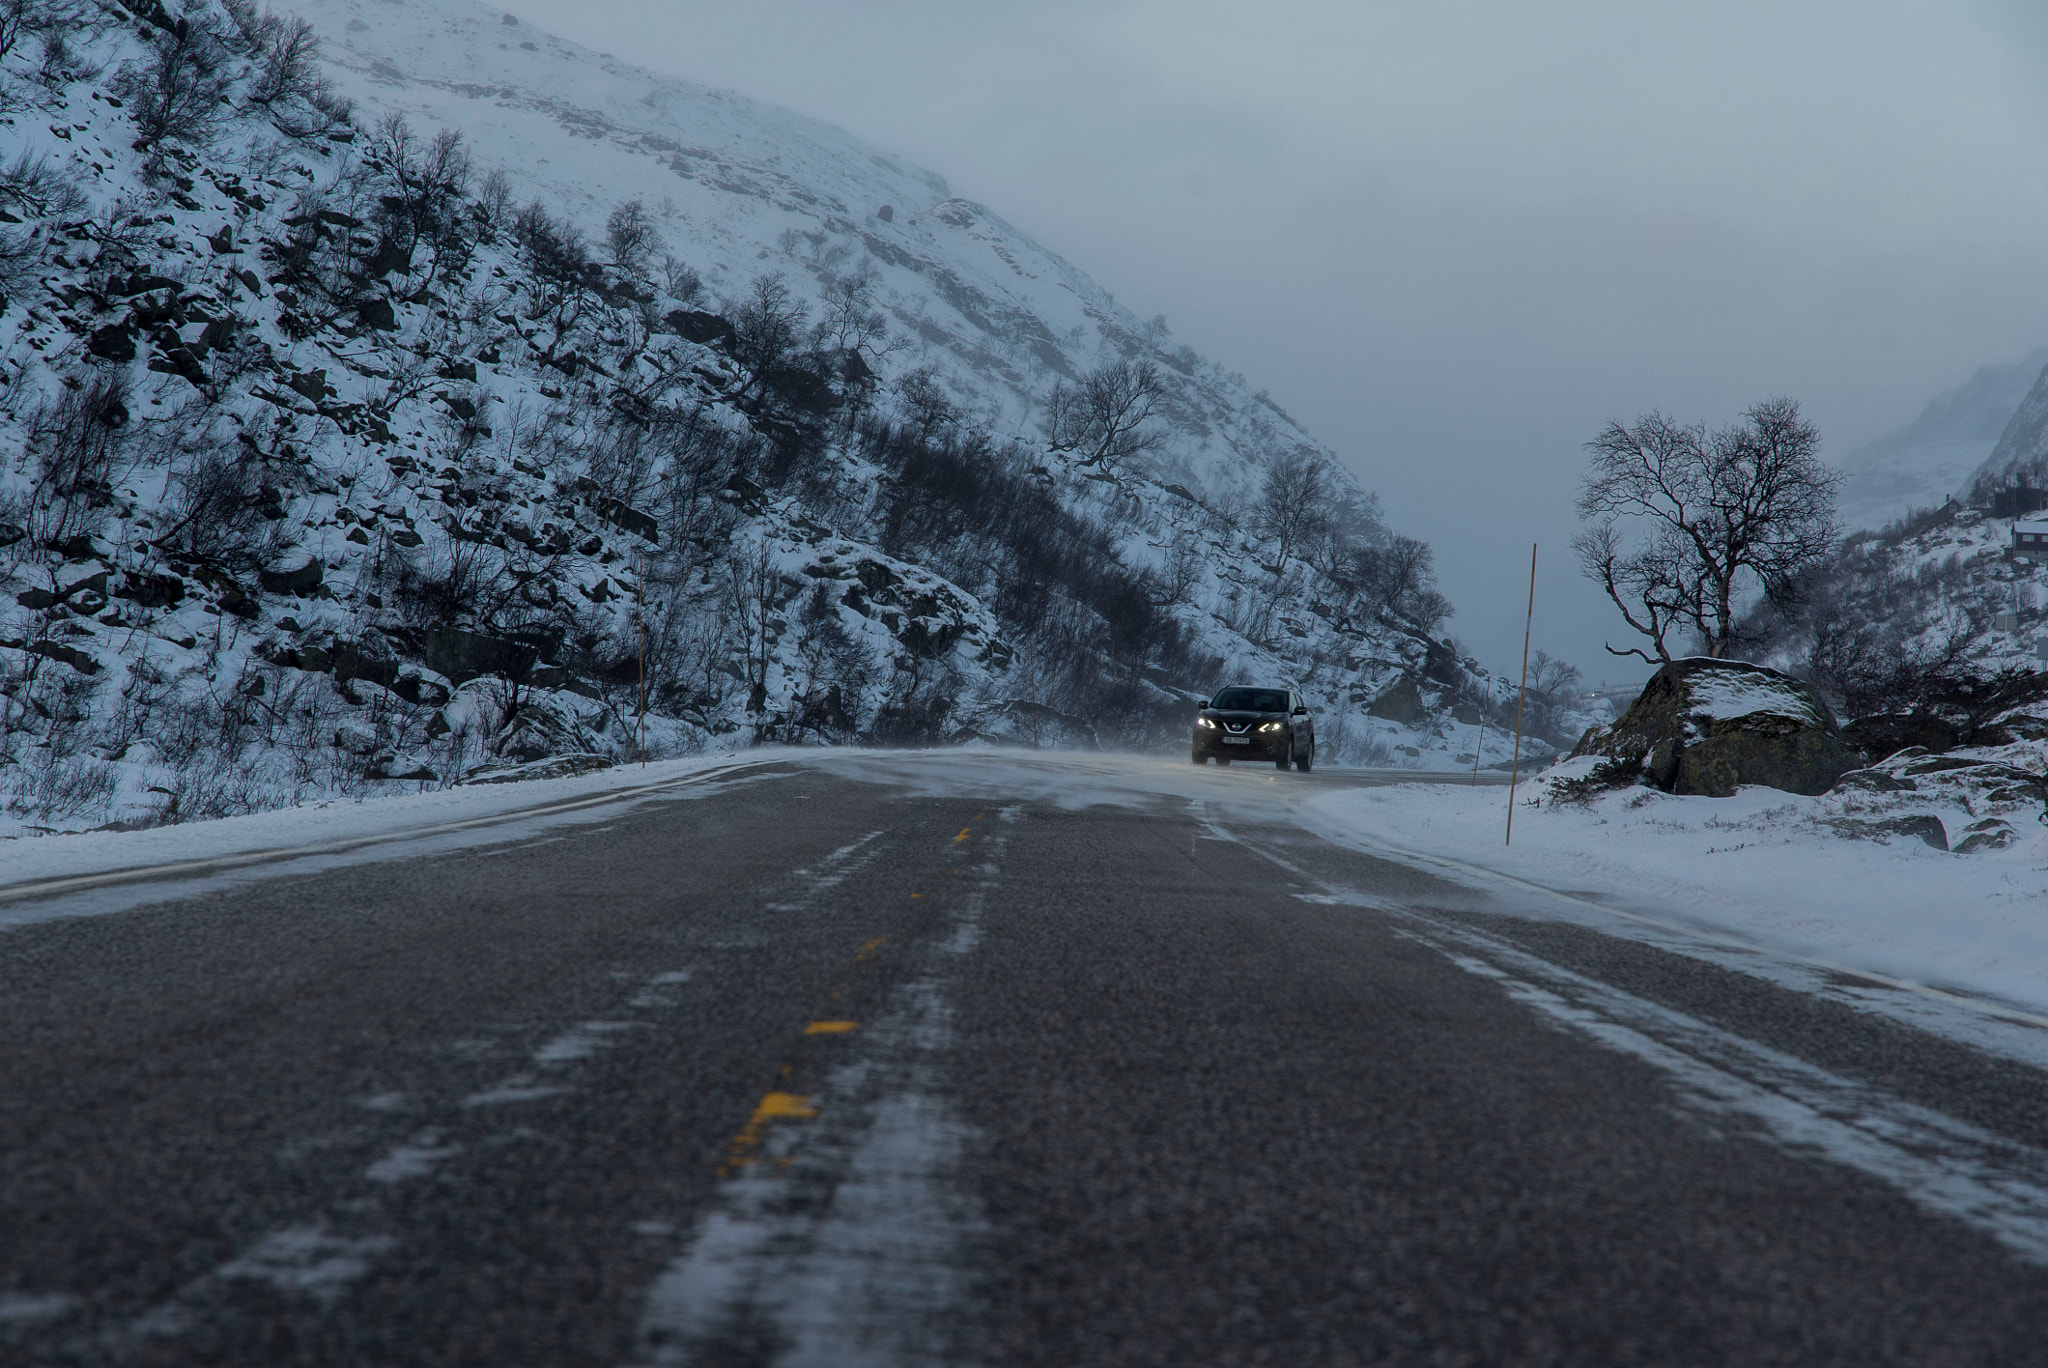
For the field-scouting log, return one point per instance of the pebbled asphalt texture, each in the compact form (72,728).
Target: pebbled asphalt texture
(825,1069)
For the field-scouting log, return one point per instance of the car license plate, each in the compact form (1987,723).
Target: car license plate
(1237,740)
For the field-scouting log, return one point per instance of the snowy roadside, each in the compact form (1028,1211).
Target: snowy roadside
(396,815)
(1761,868)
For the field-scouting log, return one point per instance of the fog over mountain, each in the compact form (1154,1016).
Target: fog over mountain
(1456,240)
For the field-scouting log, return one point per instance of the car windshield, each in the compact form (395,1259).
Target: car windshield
(1251,700)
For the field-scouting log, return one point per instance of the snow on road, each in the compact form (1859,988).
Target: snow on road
(1758,871)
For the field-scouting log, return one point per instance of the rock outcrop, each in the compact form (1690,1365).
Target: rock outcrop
(1711,726)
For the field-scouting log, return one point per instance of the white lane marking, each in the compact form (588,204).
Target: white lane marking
(579,1042)
(19,1307)
(306,1259)
(518,1088)
(840,1243)
(582,1041)
(1943,1165)
(654,996)
(417,1158)
(832,870)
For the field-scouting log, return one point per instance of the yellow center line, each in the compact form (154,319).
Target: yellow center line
(965,832)
(874,944)
(774,1106)
(831,1027)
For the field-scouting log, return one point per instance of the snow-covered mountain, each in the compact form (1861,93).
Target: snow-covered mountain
(1940,452)
(2021,454)
(738,187)
(361,447)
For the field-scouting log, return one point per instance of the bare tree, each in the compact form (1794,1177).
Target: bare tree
(1551,676)
(630,238)
(681,280)
(287,61)
(176,95)
(925,400)
(1294,503)
(1106,419)
(21,19)
(767,325)
(1714,515)
(850,323)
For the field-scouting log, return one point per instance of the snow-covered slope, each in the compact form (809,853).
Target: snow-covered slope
(739,187)
(333,469)
(1938,453)
(2022,449)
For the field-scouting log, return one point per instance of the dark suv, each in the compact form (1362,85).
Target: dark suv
(1243,723)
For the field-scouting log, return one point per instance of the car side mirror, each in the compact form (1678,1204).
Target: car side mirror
(1301,712)
(1203,704)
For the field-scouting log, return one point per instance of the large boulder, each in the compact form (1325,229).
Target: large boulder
(1710,726)
(1402,702)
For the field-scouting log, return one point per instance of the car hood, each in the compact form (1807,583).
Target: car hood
(1237,715)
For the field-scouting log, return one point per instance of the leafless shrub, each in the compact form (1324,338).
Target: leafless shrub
(683,284)
(630,238)
(54,789)
(25,19)
(175,96)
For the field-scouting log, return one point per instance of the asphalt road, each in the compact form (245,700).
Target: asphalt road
(851,1064)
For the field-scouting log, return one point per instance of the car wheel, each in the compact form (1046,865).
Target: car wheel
(1224,761)
(1285,757)
(1199,757)
(1308,759)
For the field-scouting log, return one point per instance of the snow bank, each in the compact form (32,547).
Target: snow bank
(28,859)
(1763,866)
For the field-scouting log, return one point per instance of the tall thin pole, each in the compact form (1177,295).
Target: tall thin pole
(1031,669)
(1515,768)
(640,620)
(1479,751)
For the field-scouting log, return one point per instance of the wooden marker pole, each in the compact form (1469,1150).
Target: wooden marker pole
(640,620)
(1479,751)
(1515,767)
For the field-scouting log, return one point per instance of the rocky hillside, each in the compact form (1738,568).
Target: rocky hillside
(431,404)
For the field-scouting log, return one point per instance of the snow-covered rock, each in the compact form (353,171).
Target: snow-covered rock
(1703,726)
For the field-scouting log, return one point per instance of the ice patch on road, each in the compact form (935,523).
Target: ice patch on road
(1943,1165)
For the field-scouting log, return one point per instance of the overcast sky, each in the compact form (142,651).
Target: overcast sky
(1453,239)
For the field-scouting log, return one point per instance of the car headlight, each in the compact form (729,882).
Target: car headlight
(1274,726)
(1206,722)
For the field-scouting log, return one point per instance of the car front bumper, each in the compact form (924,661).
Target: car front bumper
(1253,746)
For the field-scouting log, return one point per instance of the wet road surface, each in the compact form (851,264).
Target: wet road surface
(862,1063)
